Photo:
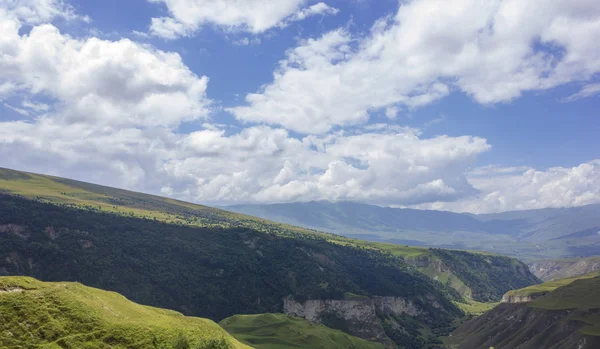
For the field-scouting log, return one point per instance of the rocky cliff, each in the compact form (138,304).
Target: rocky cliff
(360,317)
(564,268)
(516,299)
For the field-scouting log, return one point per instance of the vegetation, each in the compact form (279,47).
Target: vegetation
(489,277)
(208,272)
(574,293)
(278,331)
(70,315)
(547,287)
(213,263)
(96,198)
(474,308)
(563,314)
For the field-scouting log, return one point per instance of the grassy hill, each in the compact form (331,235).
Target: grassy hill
(207,272)
(36,314)
(279,331)
(560,314)
(536,291)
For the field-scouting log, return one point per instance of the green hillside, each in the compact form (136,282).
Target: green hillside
(547,287)
(451,268)
(278,331)
(215,264)
(207,272)
(36,314)
(560,314)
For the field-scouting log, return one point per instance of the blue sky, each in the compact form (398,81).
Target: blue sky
(458,105)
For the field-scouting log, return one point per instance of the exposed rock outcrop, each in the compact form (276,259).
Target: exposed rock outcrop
(564,268)
(516,299)
(358,317)
(428,262)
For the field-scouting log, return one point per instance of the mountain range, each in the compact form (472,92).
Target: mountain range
(529,235)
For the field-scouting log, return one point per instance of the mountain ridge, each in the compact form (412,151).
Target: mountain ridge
(529,234)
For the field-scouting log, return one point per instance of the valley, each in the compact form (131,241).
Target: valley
(215,264)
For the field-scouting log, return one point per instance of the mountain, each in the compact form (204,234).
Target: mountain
(69,315)
(529,235)
(212,263)
(279,331)
(564,268)
(561,314)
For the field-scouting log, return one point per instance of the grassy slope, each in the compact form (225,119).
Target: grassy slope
(70,315)
(90,196)
(565,315)
(581,295)
(547,287)
(278,331)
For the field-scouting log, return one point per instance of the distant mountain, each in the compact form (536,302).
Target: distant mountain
(530,235)
(561,314)
(564,268)
(36,314)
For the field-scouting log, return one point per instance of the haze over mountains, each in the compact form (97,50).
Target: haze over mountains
(529,235)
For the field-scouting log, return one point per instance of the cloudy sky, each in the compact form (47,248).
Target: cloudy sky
(462,105)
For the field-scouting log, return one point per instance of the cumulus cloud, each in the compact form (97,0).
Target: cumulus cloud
(253,16)
(108,112)
(116,83)
(258,164)
(40,11)
(492,51)
(510,188)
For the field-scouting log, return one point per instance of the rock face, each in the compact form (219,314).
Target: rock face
(514,299)
(358,317)
(564,268)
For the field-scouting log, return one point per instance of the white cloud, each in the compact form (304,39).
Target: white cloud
(98,81)
(107,111)
(258,164)
(491,50)
(247,41)
(16,109)
(254,16)
(314,10)
(111,110)
(587,91)
(34,12)
(505,189)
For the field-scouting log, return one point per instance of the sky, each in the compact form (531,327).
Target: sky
(462,105)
